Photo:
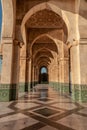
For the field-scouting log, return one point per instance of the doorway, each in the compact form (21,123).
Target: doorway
(43,75)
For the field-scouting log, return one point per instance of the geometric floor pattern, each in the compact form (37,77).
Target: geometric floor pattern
(43,109)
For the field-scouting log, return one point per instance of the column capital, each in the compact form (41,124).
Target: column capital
(29,57)
(20,44)
(74,43)
(25,58)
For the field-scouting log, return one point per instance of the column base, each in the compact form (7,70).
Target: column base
(8,92)
(60,87)
(79,93)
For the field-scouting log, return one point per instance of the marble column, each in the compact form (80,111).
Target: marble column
(22,76)
(27,75)
(30,75)
(6,74)
(67,88)
(16,68)
(64,74)
(61,70)
(37,74)
(75,64)
(66,70)
(33,74)
(83,68)
(58,71)
(75,71)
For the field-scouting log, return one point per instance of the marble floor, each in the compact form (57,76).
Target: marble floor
(43,109)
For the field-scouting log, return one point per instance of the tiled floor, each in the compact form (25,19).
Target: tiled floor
(43,109)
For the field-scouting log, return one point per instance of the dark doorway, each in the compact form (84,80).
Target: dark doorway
(43,75)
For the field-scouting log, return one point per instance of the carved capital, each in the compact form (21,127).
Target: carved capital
(29,58)
(74,43)
(20,44)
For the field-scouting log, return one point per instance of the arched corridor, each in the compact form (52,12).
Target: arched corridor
(46,47)
(43,34)
(43,66)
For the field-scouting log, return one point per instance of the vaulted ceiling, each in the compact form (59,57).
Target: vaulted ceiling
(45,19)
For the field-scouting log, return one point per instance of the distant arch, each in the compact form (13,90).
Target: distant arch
(40,36)
(43,74)
(43,69)
(42,49)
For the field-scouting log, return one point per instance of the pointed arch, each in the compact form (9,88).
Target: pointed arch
(42,49)
(42,6)
(40,36)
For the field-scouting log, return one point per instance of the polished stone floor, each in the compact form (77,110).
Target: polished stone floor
(43,109)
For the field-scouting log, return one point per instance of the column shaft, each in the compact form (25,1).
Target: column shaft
(6,74)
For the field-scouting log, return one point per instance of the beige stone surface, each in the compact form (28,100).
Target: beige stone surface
(7,63)
(46,31)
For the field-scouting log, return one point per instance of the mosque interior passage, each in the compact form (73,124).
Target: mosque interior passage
(46,34)
(43,46)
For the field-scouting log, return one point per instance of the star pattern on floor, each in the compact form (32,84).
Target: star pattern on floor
(52,111)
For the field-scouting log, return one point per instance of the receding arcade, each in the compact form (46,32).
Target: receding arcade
(41,35)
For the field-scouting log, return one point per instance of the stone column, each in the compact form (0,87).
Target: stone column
(35,80)
(83,61)
(30,76)
(75,64)
(27,75)
(22,77)
(58,70)
(75,71)
(36,74)
(61,70)
(66,70)
(83,68)
(15,68)
(61,66)
(63,74)
(6,74)
(66,76)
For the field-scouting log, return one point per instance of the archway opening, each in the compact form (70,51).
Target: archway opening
(46,34)
(43,75)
